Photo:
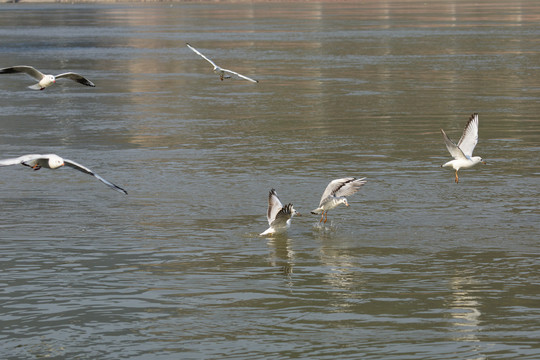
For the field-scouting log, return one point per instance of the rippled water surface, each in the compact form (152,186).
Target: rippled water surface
(418,267)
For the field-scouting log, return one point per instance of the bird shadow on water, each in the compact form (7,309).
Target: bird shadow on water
(282,254)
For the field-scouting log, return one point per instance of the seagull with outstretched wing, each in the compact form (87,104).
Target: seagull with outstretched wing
(45,81)
(462,152)
(336,193)
(53,161)
(279,216)
(223,73)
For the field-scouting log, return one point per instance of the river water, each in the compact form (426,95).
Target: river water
(418,267)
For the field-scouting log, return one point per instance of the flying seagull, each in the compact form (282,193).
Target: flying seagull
(52,161)
(462,152)
(223,73)
(45,80)
(335,194)
(279,216)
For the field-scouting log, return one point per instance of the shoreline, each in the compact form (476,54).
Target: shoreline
(169,1)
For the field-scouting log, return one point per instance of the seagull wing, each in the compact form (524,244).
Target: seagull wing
(453,149)
(349,187)
(86,170)
(283,215)
(29,70)
(342,187)
(201,55)
(469,139)
(76,77)
(274,206)
(240,75)
(21,159)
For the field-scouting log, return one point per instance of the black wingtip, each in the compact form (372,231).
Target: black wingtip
(119,189)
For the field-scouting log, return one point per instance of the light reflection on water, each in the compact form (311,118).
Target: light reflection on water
(417,267)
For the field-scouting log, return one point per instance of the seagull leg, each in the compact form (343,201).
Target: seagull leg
(325,216)
(457,179)
(36,167)
(322,216)
(221,77)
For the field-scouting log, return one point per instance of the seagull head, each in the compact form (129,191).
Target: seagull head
(478,159)
(55,161)
(47,81)
(344,201)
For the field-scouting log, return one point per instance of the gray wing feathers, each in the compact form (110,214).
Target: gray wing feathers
(283,215)
(29,70)
(76,77)
(20,159)
(86,170)
(350,187)
(240,75)
(453,149)
(342,187)
(201,55)
(469,139)
(274,206)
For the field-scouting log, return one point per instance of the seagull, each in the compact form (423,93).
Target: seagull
(462,152)
(335,194)
(279,216)
(218,70)
(45,80)
(53,161)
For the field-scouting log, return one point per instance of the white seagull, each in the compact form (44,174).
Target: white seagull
(335,194)
(279,216)
(462,152)
(45,80)
(53,161)
(218,70)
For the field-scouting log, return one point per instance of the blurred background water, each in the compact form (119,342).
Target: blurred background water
(417,266)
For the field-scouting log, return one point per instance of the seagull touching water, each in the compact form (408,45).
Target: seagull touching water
(462,152)
(45,80)
(52,161)
(279,216)
(335,194)
(218,70)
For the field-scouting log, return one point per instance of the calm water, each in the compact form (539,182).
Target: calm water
(418,267)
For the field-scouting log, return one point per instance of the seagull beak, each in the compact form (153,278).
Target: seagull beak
(483,162)
(347,205)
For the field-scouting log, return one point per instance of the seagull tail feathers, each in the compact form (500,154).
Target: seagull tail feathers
(270,230)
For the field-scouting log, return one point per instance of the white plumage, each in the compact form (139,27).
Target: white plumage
(219,70)
(462,152)
(45,81)
(53,161)
(279,216)
(335,194)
